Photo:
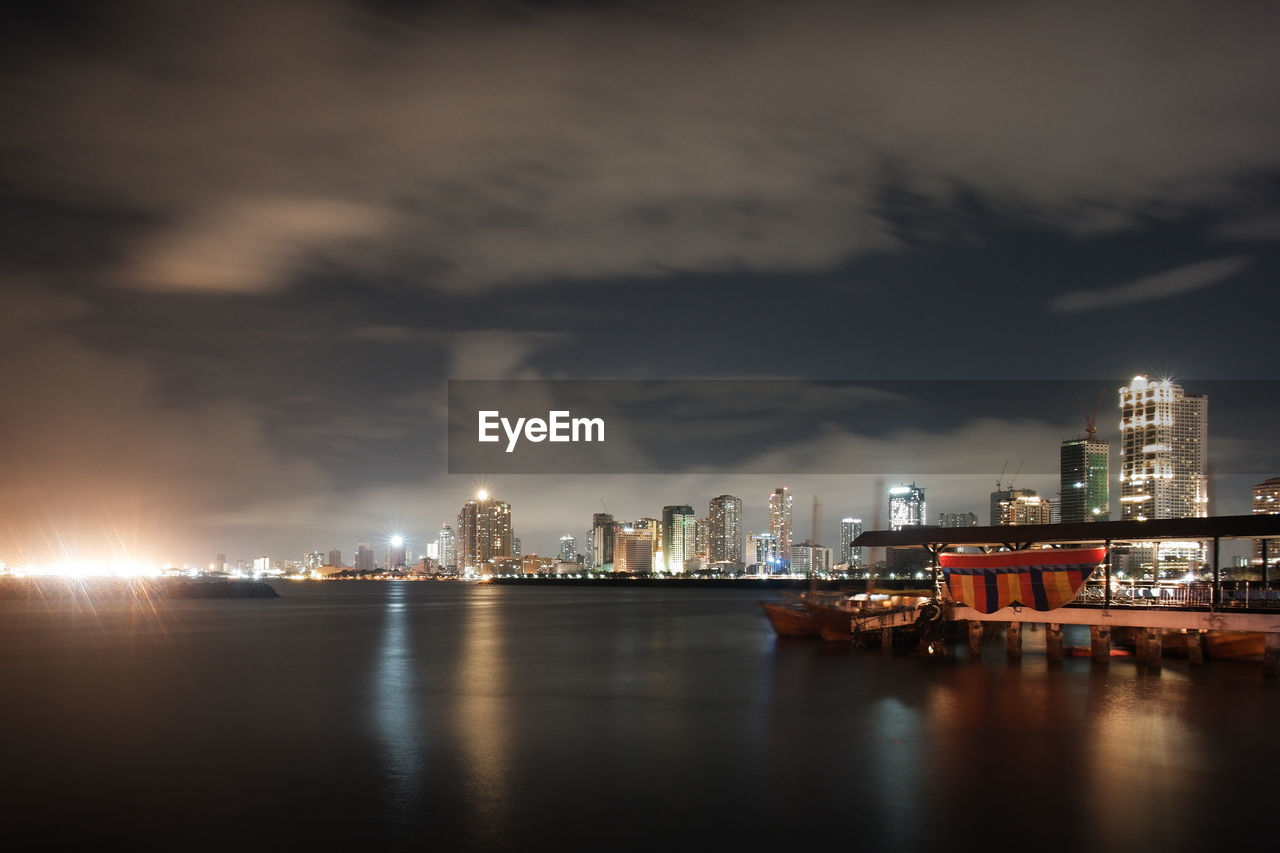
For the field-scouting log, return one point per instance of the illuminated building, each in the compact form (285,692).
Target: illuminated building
(633,550)
(1084,489)
(220,563)
(763,553)
(364,557)
(679,537)
(1266,501)
(780,521)
(335,558)
(724,530)
(957,519)
(515,546)
(484,532)
(850,529)
(1163,451)
(807,559)
(312,560)
(906,507)
(448,548)
(568,548)
(1012,507)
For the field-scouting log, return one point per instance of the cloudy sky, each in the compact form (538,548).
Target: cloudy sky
(243,245)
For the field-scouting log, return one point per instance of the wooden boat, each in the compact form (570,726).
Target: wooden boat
(834,616)
(792,621)
(833,619)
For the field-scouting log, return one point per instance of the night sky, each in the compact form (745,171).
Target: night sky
(243,245)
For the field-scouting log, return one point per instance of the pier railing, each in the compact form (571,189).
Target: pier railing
(1238,595)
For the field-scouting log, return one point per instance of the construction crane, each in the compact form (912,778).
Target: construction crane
(1090,420)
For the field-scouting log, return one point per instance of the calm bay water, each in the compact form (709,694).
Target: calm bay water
(365,714)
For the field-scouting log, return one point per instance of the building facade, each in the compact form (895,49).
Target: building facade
(679,537)
(1084,481)
(850,529)
(1163,451)
(780,504)
(906,507)
(484,533)
(724,530)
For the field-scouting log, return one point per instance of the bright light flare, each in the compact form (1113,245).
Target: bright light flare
(92,569)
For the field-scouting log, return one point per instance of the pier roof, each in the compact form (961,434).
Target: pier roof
(1190,529)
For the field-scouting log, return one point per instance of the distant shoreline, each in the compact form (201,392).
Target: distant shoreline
(32,587)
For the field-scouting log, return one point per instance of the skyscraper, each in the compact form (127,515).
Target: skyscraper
(1084,492)
(568,548)
(633,549)
(906,507)
(957,519)
(602,527)
(448,548)
(484,532)
(850,529)
(724,529)
(335,557)
(810,559)
(679,535)
(1163,451)
(780,521)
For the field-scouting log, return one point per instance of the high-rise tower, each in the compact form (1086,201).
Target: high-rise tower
(1163,451)
(850,529)
(484,532)
(679,534)
(724,529)
(906,506)
(780,521)
(1085,471)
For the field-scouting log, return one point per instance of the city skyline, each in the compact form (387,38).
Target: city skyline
(245,249)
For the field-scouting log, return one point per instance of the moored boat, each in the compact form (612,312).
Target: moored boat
(790,620)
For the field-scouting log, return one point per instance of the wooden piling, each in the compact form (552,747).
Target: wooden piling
(1013,641)
(975,639)
(1195,646)
(1053,642)
(1154,642)
(1100,643)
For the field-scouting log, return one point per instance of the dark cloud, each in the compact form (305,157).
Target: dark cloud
(244,244)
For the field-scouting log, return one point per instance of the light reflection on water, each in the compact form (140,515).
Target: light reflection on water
(398,716)
(489,717)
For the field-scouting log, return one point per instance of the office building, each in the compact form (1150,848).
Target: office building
(1084,493)
(762,552)
(679,537)
(568,548)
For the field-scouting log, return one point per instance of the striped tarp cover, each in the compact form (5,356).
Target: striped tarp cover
(1042,579)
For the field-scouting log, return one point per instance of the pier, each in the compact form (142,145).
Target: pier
(1213,608)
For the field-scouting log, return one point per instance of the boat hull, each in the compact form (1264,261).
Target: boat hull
(790,621)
